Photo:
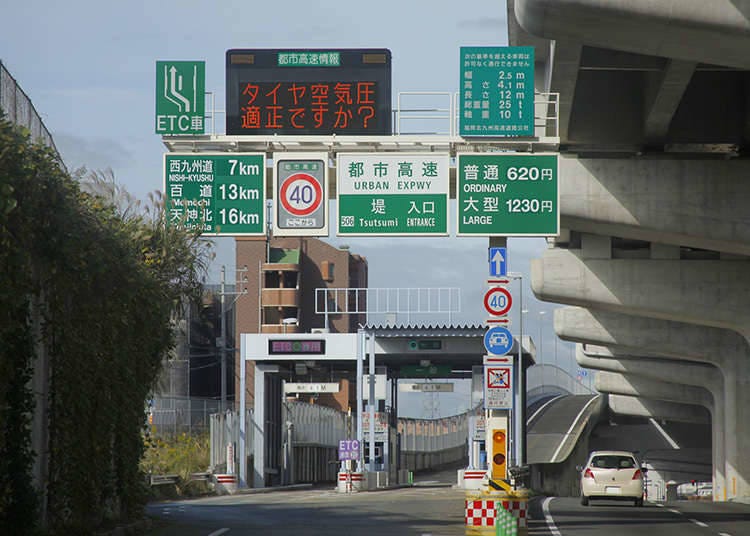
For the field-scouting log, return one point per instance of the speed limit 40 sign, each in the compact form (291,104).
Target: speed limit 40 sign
(301,190)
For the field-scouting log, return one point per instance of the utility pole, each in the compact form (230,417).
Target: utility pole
(222,342)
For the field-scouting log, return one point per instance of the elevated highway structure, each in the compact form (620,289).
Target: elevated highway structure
(654,125)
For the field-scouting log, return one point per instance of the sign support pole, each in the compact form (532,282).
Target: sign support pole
(371,400)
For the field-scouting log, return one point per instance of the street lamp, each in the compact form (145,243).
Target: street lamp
(541,354)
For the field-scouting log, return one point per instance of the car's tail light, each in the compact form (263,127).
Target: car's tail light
(637,474)
(588,473)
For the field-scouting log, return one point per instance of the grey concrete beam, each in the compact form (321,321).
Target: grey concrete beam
(702,375)
(658,409)
(698,203)
(725,349)
(716,32)
(663,96)
(628,385)
(709,293)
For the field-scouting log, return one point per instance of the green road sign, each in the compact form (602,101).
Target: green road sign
(221,194)
(180,97)
(507,194)
(432,371)
(497,91)
(392,194)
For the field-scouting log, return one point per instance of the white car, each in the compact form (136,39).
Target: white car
(612,475)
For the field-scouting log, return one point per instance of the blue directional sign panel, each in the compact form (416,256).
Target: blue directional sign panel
(498,340)
(498,260)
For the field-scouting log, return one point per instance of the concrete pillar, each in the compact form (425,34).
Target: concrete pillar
(725,349)
(681,372)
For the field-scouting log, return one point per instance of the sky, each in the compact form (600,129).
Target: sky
(89,68)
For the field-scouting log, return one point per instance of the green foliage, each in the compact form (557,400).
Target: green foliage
(182,455)
(91,283)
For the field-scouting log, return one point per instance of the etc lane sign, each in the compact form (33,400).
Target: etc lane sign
(507,194)
(180,97)
(392,194)
(220,194)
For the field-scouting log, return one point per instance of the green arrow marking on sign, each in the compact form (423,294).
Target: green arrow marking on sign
(218,194)
(507,195)
(180,97)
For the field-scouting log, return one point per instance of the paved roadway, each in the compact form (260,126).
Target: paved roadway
(431,508)
(609,518)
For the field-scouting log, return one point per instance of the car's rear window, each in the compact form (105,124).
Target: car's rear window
(612,461)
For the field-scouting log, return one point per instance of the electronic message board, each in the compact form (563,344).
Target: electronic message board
(308,91)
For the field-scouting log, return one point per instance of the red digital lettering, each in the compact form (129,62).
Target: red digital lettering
(342,117)
(367,113)
(251,91)
(297,112)
(343,93)
(251,117)
(319,94)
(297,92)
(274,93)
(273,116)
(365,92)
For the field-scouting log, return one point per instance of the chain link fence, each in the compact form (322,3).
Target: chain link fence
(18,109)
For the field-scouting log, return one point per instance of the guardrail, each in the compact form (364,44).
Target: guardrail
(160,480)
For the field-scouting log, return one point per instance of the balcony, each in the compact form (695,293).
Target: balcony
(280,297)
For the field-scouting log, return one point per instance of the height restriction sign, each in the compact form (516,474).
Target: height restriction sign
(300,185)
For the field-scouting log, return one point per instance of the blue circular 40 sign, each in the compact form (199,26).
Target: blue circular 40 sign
(498,340)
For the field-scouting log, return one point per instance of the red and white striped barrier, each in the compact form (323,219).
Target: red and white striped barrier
(472,478)
(349,482)
(226,483)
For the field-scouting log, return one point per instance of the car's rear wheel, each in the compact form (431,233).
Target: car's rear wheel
(584,500)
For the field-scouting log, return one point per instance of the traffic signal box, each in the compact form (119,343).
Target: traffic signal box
(499,453)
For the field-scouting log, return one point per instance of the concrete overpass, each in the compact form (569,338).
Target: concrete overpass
(654,125)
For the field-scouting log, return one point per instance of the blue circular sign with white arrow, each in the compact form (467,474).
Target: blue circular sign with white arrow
(498,340)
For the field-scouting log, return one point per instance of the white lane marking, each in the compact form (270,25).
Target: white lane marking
(575,421)
(699,523)
(218,532)
(724,534)
(666,436)
(548,517)
(675,511)
(528,421)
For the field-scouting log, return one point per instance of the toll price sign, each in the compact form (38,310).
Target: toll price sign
(497,91)
(507,194)
(300,184)
(386,194)
(218,194)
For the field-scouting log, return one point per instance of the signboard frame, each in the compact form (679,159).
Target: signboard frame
(380,189)
(235,202)
(289,109)
(318,186)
